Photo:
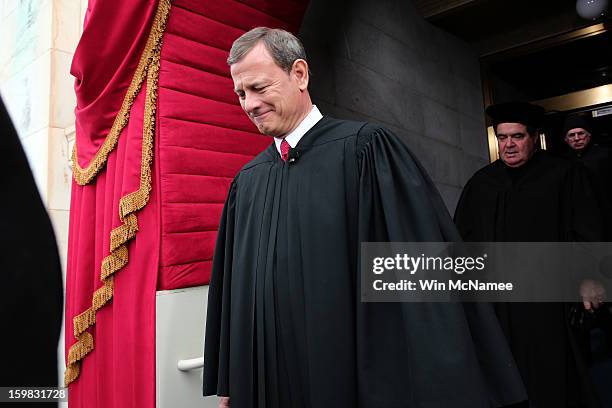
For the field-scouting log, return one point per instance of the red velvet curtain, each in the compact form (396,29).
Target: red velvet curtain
(120,370)
(159,136)
(114,36)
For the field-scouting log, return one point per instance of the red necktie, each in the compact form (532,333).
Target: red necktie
(284,148)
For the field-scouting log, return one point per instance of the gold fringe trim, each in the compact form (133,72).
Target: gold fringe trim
(78,350)
(85,175)
(128,205)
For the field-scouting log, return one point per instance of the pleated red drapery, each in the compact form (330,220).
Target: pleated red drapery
(110,285)
(160,134)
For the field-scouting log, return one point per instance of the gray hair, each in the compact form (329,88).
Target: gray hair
(283,46)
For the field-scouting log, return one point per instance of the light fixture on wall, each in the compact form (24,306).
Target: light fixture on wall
(591,9)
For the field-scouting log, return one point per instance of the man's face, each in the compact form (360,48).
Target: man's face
(515,144)
(270,96)
(577,138)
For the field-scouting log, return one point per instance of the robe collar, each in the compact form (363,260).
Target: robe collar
(516,174)
(305,125)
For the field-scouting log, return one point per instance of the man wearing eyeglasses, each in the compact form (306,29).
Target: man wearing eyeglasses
(529,196)
(578,134)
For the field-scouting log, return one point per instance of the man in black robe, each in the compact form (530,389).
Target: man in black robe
(578,134)
(32,294)
(529,196)
(285,325)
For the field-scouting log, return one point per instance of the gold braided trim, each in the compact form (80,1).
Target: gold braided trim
(115,261)
(78,350)
(125,232)
(86,341)
(128,206)
(85,175)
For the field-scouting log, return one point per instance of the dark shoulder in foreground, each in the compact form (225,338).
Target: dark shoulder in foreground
(555,162)
(371,131)
(543,162)
(327,129)
(330,129)
(364,132)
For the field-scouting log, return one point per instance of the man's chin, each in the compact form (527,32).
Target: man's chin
(264,130)
(513,162)
(268,132)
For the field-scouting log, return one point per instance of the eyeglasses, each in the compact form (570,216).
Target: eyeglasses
(576,135)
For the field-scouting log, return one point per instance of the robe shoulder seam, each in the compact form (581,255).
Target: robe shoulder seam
(367,132)
(262,158)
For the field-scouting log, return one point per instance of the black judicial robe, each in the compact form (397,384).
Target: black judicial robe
(596,159)
(285,325)
(546,200)
(32,294)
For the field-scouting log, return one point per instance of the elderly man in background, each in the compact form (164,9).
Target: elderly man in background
(578,133)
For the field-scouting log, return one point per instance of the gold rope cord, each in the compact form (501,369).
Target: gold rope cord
(85,175)
(128,206)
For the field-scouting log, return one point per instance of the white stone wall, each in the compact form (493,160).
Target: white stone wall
(37,43)
(38,40)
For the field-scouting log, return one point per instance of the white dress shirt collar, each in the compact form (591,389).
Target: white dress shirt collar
(294,137)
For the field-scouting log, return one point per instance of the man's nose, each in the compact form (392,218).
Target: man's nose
(251,103)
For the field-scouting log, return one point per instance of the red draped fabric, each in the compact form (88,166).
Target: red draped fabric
(113,39)
(201,138)
(120,370)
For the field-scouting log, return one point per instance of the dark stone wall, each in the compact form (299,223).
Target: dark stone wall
(380,61)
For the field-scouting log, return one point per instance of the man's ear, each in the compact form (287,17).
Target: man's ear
(299,71)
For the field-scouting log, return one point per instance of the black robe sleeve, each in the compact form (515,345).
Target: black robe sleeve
(216,355)
(421,354)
